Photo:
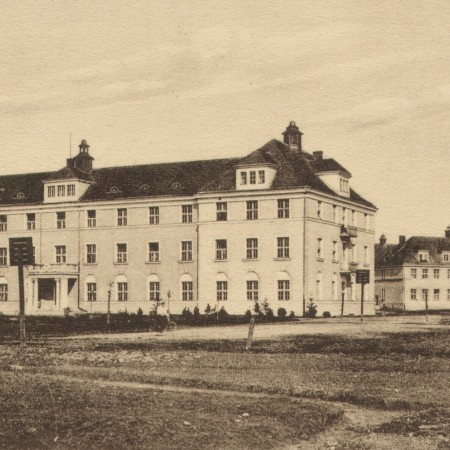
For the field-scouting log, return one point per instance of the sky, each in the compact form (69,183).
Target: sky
(367,82)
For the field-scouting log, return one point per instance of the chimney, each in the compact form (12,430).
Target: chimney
(293,137)
(318,154)
(401,240)
(447,232)
(383,240)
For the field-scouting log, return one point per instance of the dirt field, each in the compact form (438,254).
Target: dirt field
(384,384)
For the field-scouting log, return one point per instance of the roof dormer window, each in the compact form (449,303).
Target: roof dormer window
(446,257)
(252,177)
(262,176)
(144,187)
(243,177)
(20,195)
(344,186)
(114,190)
(61,190)
(423,256)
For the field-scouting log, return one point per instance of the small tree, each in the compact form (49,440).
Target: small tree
(197,317)
(223,316)
(311,309)
(282,313)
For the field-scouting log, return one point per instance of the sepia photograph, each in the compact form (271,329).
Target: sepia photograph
(225,225)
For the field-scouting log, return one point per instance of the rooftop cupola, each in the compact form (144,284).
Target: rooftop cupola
(83,160)
(293,137)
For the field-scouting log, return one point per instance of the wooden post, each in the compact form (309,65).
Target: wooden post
(342,306)
(426,305)
(362,302)
(22,304)
(250,333)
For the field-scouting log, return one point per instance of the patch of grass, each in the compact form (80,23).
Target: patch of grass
(38,414)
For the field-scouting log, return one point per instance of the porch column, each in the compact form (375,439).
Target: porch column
(63,288)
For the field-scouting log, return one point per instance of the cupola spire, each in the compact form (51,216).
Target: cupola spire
(293,137)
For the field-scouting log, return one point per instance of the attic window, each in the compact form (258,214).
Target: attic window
(423,256)
(20,195)
(144,187)
(176,185)
(114,190)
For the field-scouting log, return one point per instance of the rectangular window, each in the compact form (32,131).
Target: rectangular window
(252,177)
(252,290)
(423,256)
(61,190)
(319,210)
(436,294)
(91,292)
(91,254)
(222,290)
(122,217)
(243,177)
(283,247)
(3,256)
(186,213)
(262,176)
(221,211)
(153,251)
(153,215)
(413,294)
(424,273)
(283,208)
(3,222)
(435,273)
(3,292)
(284,290)
(71,190)
(186,251)
(221,249)
(153,290)
(121,253)
(31,221)
(187,290)
(60,220)
(51,191)
(413,273)
(354,253)
(122,291)
(252,248)
(319,248)
(252,210)
(335,214)
(366,254)
(446,257)
(92,218)
(425,294)
(61,255)
(335,250)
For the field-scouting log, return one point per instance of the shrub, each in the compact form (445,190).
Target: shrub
(292,315)
(67,312)
(196,316)
(257,308)
(326,314)
(223,316)
(187,315)
(312,310)
(282,313)
(248,315)
(208,309)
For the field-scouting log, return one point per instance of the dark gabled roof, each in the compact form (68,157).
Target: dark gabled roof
(179,178)
(328,165)
(30,184)
(70,173)
(407,253)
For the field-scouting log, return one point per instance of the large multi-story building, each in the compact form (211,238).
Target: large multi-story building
(279,224)
(413,275)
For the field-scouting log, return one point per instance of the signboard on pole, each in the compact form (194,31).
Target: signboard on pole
(21,251)
(363,276)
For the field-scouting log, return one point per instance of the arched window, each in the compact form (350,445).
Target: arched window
(187,287)
(121,288)
(154,288)
(91,289)
(283,285)
(20,195)
(114,190)
(144,187)
(3,289)
(252,286)
(221,287)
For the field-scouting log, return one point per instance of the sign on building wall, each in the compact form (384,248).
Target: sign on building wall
(21,251)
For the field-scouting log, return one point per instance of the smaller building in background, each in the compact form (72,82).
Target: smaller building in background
(413,275)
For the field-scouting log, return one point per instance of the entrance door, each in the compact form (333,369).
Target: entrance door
(47,293)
